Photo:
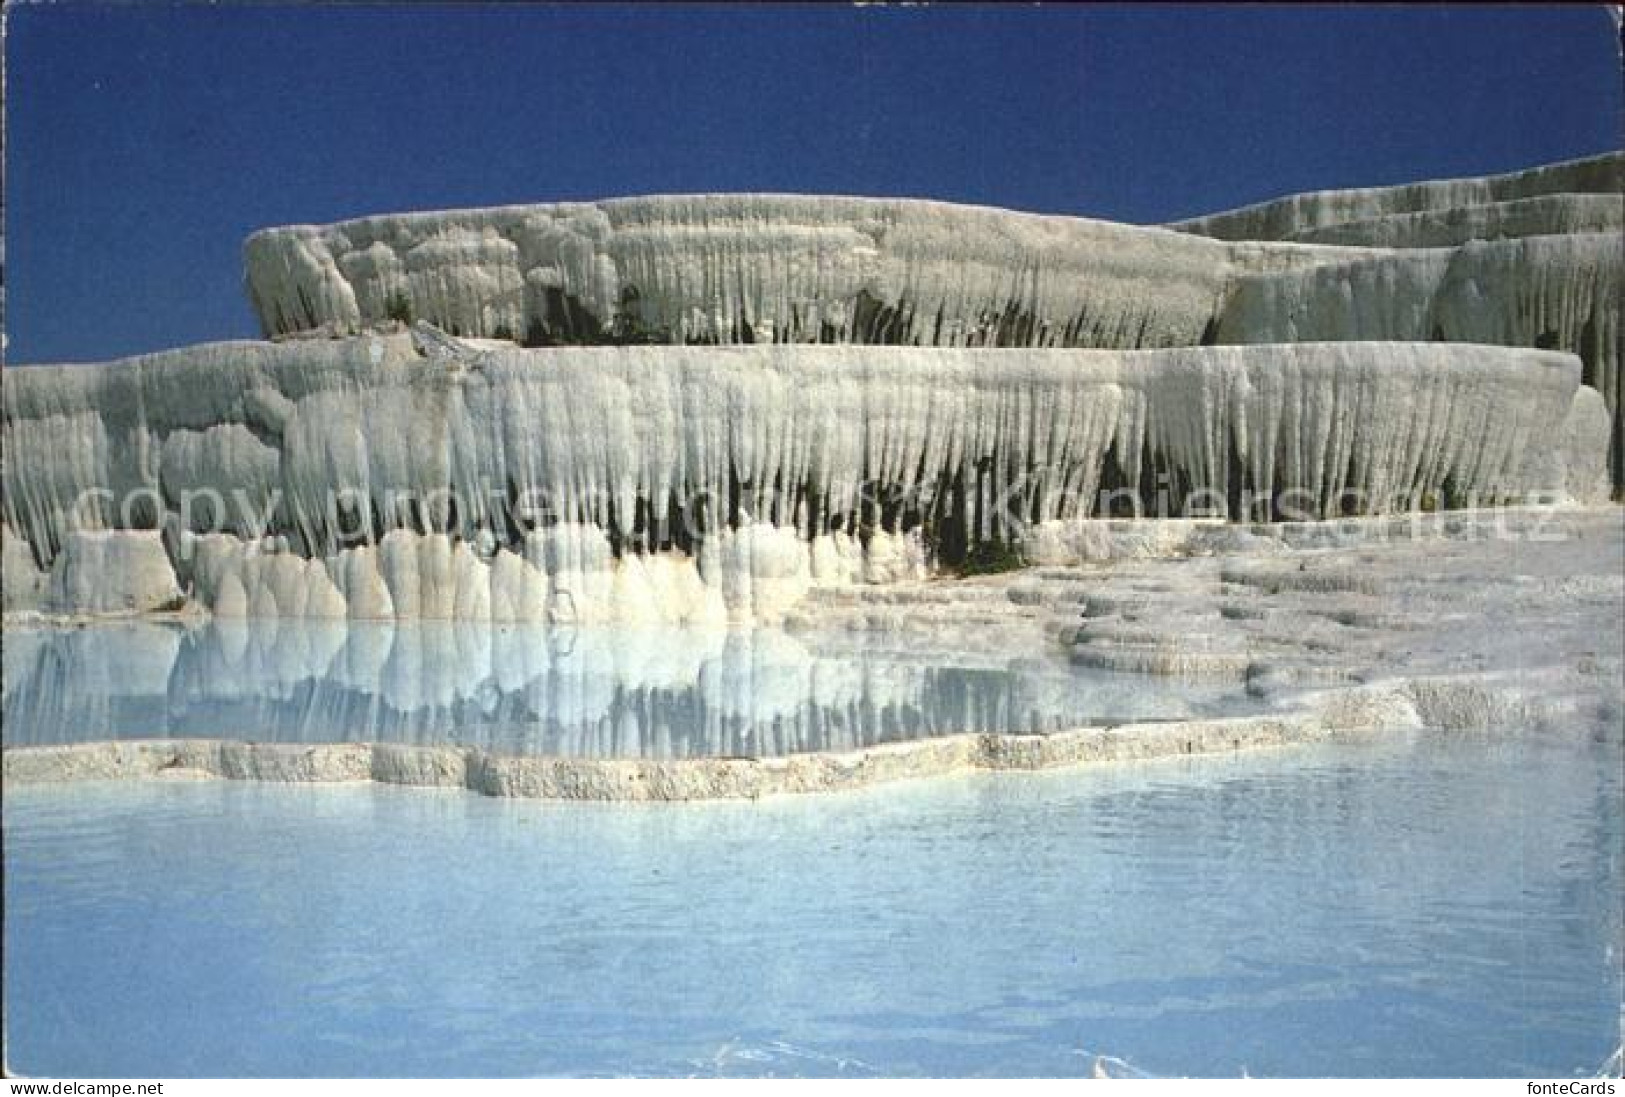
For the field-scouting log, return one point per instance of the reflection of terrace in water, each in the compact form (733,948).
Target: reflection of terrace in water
(658,693)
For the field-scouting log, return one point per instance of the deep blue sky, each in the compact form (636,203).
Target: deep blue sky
(144,142)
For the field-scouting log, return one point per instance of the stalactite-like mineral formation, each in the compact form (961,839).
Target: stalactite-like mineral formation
(1529,259)
(613,410)
(393,477)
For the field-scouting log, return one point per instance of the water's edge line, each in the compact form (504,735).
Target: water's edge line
(1453,702)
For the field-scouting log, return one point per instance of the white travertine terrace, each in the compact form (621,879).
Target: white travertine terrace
(677,484)
(1295,215)
(1554,291)
(1469,622)
(1531,258)
(1527,259)
(748,454)
(748,440)
(1546,215)
(744,268)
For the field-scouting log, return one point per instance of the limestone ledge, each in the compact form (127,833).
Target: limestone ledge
(1439,702)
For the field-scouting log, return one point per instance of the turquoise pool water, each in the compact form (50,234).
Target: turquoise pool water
(1421,905)
(527,689)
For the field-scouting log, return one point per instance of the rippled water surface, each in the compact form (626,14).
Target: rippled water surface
(521,689)
(1427,905)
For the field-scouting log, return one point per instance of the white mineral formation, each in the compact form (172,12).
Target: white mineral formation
(428,478)
(1470,622)
(1296,216)
(1549,291)
(1529,259)
(1317,348)
(742,269)
(22,583)
(113,572)
(1547,215)
(1532,258)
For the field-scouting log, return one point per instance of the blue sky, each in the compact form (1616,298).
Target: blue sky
(144,142)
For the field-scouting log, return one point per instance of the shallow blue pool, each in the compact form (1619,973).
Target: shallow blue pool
(535,689)
(1426,905)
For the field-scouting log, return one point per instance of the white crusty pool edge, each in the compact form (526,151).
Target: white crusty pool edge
(1445,703)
